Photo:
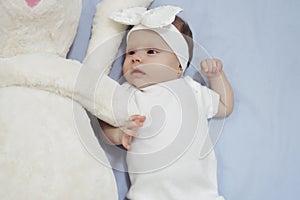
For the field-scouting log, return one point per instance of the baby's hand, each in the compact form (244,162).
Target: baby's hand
(211,67)
(130,129)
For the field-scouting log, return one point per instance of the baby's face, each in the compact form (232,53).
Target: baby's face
(149,60)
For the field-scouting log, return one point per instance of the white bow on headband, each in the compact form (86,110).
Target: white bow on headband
(160,21)
(154,18)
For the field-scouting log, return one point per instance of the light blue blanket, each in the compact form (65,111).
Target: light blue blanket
(258,41)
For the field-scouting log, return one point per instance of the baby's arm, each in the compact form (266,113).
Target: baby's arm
(213,70)
(123,135)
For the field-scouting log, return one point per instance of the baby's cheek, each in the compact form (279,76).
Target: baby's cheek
(125,68)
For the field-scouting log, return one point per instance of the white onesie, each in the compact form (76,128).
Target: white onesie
(164,161)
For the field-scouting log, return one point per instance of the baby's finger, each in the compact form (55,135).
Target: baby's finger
(219,64)
(133,125)
(137,118)
(204,66)
(212,65)
(126,141)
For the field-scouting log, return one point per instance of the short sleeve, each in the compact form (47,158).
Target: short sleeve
(207,99)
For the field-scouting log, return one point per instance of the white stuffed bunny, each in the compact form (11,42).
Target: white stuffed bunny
(47,147)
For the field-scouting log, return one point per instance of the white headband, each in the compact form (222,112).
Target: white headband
(160,21)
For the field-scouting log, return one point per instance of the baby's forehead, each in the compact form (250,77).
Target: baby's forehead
(146,39)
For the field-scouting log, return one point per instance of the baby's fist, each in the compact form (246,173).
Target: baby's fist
(211,67)
(130,129)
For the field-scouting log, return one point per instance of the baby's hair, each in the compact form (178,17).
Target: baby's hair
(185,30)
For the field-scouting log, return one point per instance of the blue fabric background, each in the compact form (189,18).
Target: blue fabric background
(258,41)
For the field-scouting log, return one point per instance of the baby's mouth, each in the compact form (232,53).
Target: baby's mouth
(137,73)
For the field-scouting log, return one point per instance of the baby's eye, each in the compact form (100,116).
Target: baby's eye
(131,52)
(152,51)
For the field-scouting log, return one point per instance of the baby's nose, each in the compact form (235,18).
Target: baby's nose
(136,58)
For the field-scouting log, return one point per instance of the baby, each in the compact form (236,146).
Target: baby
(156,58)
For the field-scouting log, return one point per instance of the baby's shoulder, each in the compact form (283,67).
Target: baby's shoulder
(192,83)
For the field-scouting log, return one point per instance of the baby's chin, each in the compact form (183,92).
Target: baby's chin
(141,84)
(138,81)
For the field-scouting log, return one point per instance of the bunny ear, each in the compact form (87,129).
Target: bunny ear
(160,16)
(130,16)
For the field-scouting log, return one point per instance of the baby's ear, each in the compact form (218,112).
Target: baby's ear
(180,71)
